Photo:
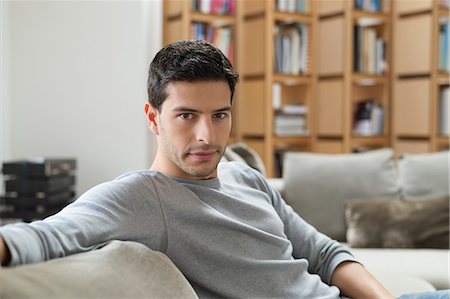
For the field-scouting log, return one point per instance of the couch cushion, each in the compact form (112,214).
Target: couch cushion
(318,185)
(424,175)
(428,264)
(118,270)
(398,223)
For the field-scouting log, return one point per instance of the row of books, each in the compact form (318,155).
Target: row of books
(368,118)
(219,36)
(290,120)
(293,49)
(369,51)
(444,59)
(36,188)
(444,3)
(294,6)
(444,124)
(220,7)
(368,5)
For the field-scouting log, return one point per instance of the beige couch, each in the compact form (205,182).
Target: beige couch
(322,189)
(131,270)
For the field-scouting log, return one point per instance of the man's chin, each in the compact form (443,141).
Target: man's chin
(200,172)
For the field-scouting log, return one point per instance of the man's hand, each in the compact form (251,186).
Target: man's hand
(5,254)
(355,281)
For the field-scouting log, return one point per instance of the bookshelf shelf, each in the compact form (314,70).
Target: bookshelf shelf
(443,141)
(370,141)
(415,13)
(292,79)
(289,17)
(174,16)
(444,13)
(367,79)
(372,138)
(443,78)
(293,140)
(377,17)
(216,20)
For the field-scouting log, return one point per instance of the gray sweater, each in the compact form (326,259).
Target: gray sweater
(233,236)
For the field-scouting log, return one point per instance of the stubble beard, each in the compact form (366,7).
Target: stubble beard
(181,160)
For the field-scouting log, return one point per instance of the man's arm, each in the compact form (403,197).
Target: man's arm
(109,211)
(355,281)
(5,255)
(330,260)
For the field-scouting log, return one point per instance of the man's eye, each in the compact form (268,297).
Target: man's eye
(186,116)
(220,115)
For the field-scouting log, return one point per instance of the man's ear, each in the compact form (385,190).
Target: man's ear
(152,118)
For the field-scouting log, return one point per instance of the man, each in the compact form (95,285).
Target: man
(224,227)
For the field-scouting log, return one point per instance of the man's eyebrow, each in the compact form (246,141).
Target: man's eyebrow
(183,109)
(227,108)
(186,109)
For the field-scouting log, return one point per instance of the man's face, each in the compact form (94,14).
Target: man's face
(193,128)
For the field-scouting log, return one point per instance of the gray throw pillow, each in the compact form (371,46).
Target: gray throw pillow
(229,155)
(241,152)
(398,223)
(424,175)
(318,185)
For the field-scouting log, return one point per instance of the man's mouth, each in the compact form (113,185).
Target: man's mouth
(203,155)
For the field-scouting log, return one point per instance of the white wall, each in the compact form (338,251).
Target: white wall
(74,83)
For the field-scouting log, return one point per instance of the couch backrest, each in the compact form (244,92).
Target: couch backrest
(422,175)
(318,185)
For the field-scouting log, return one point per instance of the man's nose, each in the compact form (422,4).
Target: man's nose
(205,131)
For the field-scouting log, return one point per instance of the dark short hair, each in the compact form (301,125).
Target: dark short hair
(191,61)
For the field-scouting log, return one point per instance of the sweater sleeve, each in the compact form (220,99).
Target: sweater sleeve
(322,253)
(123,209)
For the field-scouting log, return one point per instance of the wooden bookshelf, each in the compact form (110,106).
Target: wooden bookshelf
(334,83)
(417,79)
(258,22)
(342,85)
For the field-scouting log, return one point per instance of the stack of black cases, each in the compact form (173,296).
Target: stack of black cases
(36,188)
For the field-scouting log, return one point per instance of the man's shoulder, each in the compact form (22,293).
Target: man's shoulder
(132,182)
(242,172)
(236,167)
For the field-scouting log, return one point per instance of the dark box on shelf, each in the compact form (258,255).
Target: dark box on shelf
(36,188)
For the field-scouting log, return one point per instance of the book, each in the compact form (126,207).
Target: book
(290,125)
(444,124)
(444,60)
(368,5)
(295,109)
(369,51)
(292,50)
(368,118)
(276,96)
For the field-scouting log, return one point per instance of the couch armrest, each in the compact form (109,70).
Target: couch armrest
(121,269)
(277,184)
